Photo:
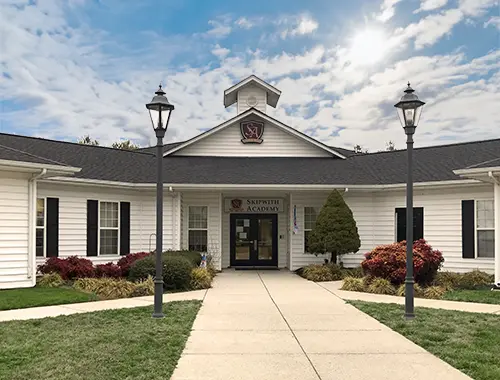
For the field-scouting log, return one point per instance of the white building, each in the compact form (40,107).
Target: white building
(247,191)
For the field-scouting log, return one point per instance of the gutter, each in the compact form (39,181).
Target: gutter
(495,179)
(32,195)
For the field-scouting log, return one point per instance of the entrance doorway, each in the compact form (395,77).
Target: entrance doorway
(254,240)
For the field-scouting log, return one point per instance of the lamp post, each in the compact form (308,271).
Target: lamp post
(159,110)
(409,111)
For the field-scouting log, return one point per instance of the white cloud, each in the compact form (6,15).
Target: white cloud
(476,7)
(220,28)
(429,5)
(245,23)
(387,10)
(298,26)
(493,21)
(220,52)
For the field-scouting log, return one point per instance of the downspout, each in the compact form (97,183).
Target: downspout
(32,193)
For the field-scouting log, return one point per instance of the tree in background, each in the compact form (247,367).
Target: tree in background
(389,146)
(335,231)
(358,149)
(125,145)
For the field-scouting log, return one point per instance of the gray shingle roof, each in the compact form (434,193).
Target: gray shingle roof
(430,164)
(12,154)
(486,164)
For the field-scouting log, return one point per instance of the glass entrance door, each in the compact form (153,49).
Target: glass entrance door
(254,240)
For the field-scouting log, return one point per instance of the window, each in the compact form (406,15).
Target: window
(485,228)
(418,223)
(310,215)
(198,228)
(40,227)
(108,228)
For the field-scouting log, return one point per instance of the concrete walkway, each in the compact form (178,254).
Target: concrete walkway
(86,307)
(471,307)
(275,325)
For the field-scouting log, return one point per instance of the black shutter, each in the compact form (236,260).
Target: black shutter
(92,226)
(52,227)
(468,220)
(418,223)
(124,228)
(400,224)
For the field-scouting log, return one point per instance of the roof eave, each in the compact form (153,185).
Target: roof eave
(24,166)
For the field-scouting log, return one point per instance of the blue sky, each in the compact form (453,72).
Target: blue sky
(77,67)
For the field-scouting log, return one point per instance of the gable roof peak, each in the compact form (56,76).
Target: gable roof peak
(231,94)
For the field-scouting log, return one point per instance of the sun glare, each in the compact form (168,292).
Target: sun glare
(367,47)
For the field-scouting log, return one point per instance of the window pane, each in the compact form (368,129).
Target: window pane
(310,216)
(109,214)
(109,242)
(198,216)
(486,243)
(306,240)
(485,217)
(39,241)
(198,240)
(40,212)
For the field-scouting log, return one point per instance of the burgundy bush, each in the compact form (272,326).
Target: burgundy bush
(68,268)
(389,261)
(126,261)
(108,270)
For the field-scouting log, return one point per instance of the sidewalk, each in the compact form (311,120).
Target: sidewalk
(86,307)
(275,325)
(471,307)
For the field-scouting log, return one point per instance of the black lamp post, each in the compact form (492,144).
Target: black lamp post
(409,111)
(160,110)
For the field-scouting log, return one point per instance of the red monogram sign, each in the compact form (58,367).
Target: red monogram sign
(252,132)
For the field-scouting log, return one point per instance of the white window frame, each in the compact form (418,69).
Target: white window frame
(316,210)
(197,229)
(107,228)
(476,229)
(44,228)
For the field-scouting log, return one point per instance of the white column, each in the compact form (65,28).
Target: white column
(290,232)
(497,232)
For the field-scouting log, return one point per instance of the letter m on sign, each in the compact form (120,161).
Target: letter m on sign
(252,132)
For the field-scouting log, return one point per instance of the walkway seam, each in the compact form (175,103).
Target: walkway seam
(293,333)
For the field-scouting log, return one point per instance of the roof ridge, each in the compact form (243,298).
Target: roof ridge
(71,142)
(34,155)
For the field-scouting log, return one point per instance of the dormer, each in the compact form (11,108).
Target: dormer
(251,92)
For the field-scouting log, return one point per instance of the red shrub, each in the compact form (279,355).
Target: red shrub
(126,261)
(69,268)
(108,270)
(389,261)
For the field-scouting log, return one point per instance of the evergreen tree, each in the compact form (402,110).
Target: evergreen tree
(335,231)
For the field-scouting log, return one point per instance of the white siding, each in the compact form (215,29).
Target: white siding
(277,143)
(375,218)
(211,200)
(73,217)
(282,227)
(14,226)
(259,94)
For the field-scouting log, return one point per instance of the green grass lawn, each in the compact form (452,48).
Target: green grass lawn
(481,296)
(112,344)
(468,341)
(32,297)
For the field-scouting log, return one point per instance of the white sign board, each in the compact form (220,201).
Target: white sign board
(254,205)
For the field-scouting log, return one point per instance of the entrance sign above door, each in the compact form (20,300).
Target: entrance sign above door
(252,132)
(254,205)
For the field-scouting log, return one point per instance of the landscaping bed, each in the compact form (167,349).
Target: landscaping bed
(111,344)
(467,341)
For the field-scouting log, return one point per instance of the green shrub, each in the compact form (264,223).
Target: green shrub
(193,257)
(435,292)
(106,287)
(475,279)
(50,280)
(353,284)
(367,281)
(317,273)
(177,272)
(417,290)
(211,269)
(144,287)
(142,268)
(336,270)
(200,278)
(381,286)
(447,280)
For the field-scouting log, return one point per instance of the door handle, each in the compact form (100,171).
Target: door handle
(255,245)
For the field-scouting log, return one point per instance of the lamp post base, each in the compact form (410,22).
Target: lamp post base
(158,299)
(409,299)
